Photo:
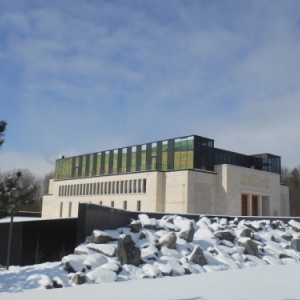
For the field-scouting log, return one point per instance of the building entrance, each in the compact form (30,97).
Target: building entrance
(254,205)
(244,205)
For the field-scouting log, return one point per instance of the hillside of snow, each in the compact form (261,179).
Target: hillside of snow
(169,247)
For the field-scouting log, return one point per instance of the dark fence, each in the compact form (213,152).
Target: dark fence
(38,241)
(93,216)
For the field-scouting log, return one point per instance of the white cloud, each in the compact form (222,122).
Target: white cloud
(38,164)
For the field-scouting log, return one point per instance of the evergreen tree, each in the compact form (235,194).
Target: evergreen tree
(2,129)
(12,193)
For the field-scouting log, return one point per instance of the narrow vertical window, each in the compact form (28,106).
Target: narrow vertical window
(125,188)
(144,185)
(98,188)
(113,187)
(101,191)
(117,187)
(70,209)
(138,205)
(59,191)
(100,202)
(105,188)
(139,185)
(124,204)
(60,209)
(109,188)
(130,186)
(112,203)
(134,186)
(121,187)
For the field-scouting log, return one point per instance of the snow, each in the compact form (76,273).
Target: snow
(19,219)
(230,273)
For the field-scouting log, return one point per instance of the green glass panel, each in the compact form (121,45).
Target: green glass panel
(91,166)
(184,153)
(58,167)
(68,170)
(106,165)
(83,166)
(190,163)
(165,155)
(124,160)
(153,155)
(177,147)
(115,162)
(133,158)
(76,166)
(143,158)
(98,163)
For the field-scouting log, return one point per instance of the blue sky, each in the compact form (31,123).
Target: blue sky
(83,76)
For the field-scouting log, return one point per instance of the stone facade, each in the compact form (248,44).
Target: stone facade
(229,190)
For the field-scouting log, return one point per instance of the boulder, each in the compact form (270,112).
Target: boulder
(287,236)
(197,257)
(250,247)
(295,225)
(247,232)
(142,235)
(187,235)
(254,228)
(78,279)
(227,235)
(279,225)
(127,251)
(135,226)
(295,244)
(100,237)
(168,240)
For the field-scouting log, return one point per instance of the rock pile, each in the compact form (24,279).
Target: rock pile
(173,245)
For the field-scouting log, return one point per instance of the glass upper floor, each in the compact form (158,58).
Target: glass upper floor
(188,152)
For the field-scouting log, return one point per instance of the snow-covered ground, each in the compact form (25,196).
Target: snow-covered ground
(236,260)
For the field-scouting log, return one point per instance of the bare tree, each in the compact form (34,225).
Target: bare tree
(46,180)
(292,179)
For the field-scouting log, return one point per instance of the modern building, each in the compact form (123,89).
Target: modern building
(179,175)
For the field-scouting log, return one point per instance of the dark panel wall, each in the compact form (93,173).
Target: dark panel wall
(48,238)
(16,243)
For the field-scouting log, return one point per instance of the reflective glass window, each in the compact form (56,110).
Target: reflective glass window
(115,162)
(124,159)
(165,148)
(98,163)
(153,156)
(91,166)
(133,158)
(106,166)
(143,158)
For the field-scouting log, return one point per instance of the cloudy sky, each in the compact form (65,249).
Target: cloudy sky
(80,76)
